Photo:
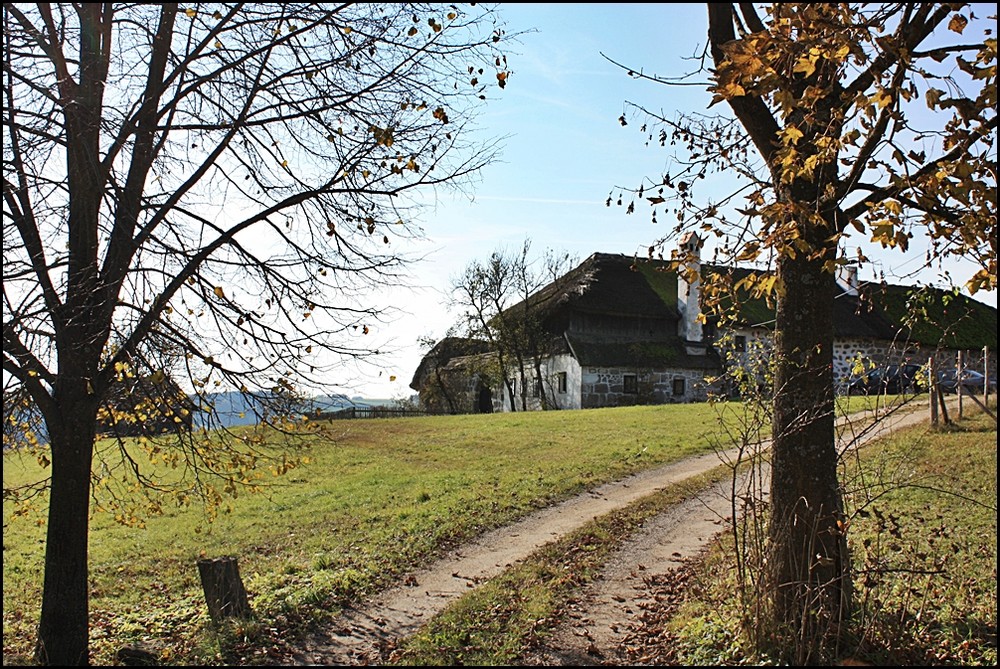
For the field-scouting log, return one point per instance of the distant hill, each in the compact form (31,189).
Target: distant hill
(234,408)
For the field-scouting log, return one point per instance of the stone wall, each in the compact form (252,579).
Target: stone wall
(850,355)
(604,387)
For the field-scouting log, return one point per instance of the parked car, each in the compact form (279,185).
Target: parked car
(888,379)
(972,381)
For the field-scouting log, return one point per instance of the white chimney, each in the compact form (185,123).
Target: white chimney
(689,293)
(848,279)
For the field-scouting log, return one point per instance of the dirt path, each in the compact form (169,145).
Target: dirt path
(600,620)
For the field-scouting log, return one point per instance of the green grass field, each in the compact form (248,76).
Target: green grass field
(924,547)
(378,498)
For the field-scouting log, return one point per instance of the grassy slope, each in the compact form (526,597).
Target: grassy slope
(923,537)
(924,543)
(379,497)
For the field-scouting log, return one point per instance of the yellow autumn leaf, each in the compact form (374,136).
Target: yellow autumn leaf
(789,159)
(219,293)
(882,99)
(791,135)
(958,23)
(809,166)
(732,90)
(806,65)
(190,12)
(392,377)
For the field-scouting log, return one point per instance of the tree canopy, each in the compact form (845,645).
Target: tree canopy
(848,125)
(210,193)
(891,109)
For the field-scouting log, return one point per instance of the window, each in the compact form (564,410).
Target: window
(740,343)
(680,387)
(630,384)
(561,381)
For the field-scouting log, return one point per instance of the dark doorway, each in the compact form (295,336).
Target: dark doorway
(485,404)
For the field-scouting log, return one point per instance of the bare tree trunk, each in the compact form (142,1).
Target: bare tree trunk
(540,380)
(64,628)
(810,563)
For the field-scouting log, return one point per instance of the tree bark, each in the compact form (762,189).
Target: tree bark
(63,629)
(810,564)
(224,591)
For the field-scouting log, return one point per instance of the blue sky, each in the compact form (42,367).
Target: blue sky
(564,152)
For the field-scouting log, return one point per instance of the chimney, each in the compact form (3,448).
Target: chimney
(689,293)
(848,279)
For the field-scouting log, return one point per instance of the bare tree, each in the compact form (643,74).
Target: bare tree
(482,292)
(227,182)
(500,306)
(829,148)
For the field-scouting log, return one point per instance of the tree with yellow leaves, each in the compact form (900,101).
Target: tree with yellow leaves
(851,123)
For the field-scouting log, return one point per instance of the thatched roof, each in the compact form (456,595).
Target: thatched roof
(622,286)
(443,352)
(917,314)
(610,284)
(932,316)
(659,354)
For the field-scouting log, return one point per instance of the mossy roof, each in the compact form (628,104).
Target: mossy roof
(444,351)
(610,284)
(670,354)
(918,314)
(935,317)
(626,286)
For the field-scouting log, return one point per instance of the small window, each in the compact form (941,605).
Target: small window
(561,380)
(680,387)
(739,343)
(536,388)
(630,384)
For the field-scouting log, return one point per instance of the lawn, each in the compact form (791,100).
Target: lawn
(377,498)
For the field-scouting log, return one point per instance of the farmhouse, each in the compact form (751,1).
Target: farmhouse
(618,331)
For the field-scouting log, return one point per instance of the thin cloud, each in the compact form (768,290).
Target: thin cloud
(536,200)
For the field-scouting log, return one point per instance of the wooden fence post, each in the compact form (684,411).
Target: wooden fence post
(934,390)
(959,366)
(986,376)
(224,591)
